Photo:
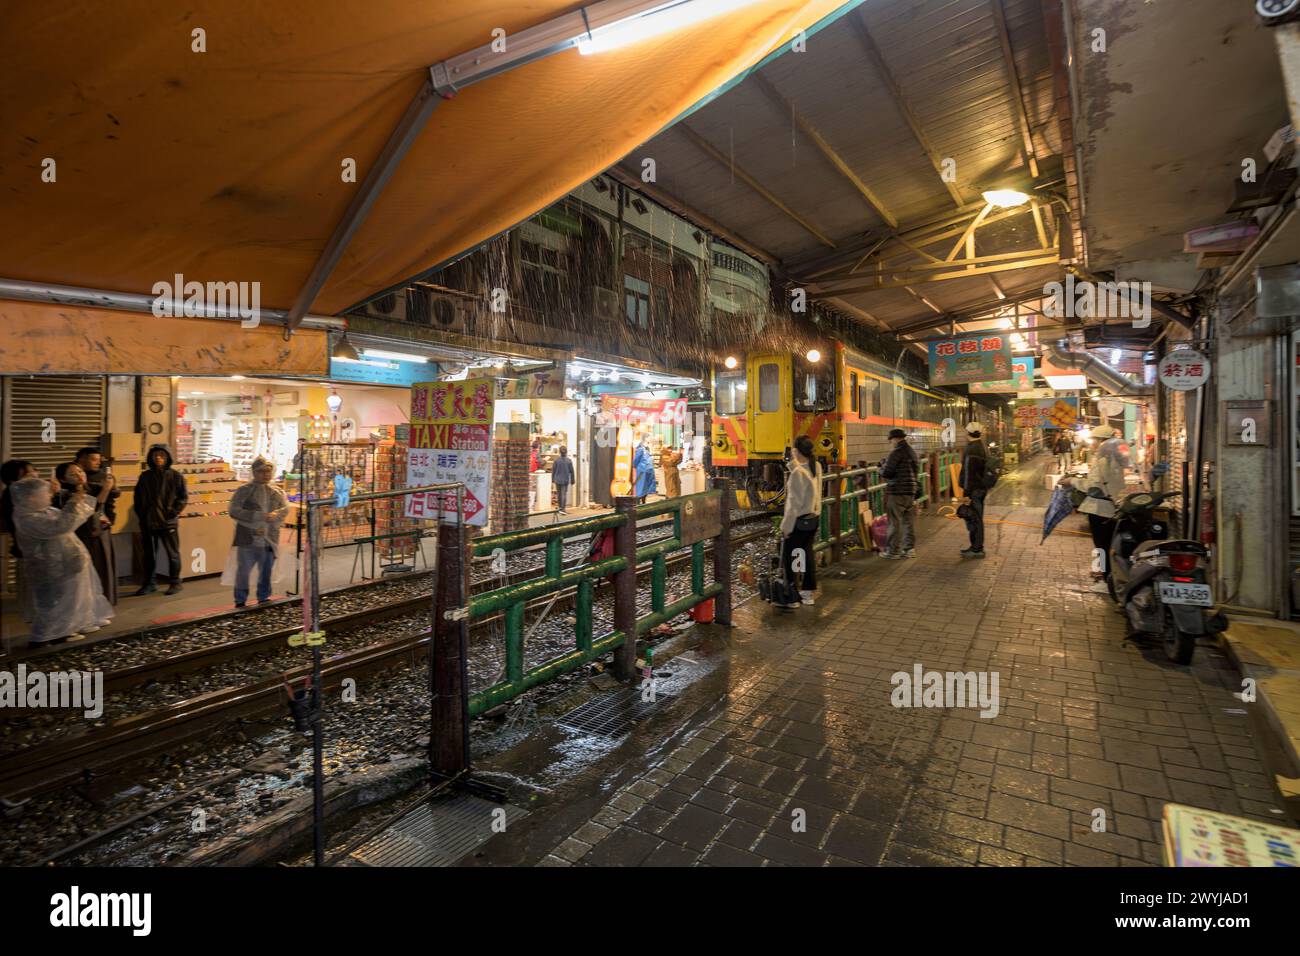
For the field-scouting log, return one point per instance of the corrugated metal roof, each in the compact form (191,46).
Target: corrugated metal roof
(946,60)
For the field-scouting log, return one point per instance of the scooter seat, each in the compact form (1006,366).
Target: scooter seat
(1169,544)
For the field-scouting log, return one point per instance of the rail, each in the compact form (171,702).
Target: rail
(709,510)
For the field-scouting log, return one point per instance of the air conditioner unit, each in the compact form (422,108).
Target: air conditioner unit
(445,313)
(604,304)
(391,306)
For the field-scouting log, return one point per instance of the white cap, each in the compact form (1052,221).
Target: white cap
(973,428)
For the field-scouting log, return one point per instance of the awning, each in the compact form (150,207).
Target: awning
(226,165)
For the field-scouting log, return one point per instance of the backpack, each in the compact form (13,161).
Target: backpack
(992,472)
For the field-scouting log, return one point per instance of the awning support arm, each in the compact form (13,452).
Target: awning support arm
(401,140)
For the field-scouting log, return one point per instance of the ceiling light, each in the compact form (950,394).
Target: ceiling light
(236,378)
(731,361)
(395,356)
(664,18)
(813,355)
(343,349)
(1005,198)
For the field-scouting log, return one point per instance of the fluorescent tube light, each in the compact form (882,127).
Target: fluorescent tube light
(663,19)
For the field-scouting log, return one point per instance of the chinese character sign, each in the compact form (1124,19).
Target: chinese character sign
(1022,378)
(1184,370)
(620,410)
(450,441)
(983,357)
(1047,413)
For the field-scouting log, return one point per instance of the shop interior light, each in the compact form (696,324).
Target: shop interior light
(1005,198)
(731,361)
(813,355)
(334,401)
(395,356)
(665,18)
(236,378)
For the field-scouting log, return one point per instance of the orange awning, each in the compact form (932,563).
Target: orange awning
(226,165)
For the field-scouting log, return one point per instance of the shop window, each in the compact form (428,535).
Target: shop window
(729,391)
(769,388)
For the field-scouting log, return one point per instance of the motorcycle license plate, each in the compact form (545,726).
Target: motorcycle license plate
(1197,594)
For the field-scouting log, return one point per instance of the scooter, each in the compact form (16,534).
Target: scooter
(1159,581)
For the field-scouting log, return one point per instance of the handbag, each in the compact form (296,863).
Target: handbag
(965,512)
(807,523)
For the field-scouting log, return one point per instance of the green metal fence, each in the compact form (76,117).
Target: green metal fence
(512,600)
(841,492)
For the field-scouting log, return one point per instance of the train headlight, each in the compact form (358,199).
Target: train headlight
(731,361)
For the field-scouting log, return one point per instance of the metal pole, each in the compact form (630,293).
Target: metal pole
(837,487)
(625,589)
(317,698)
(722,553)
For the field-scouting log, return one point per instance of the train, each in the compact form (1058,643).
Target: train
(846,402)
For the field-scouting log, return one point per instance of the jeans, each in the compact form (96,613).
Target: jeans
(263,557)
(561,496)
(902,522)
(793,542)
(975,523)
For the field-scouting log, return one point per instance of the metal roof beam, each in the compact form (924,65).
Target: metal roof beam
(1013,80)
(785,106)
(878,61)
(717,155)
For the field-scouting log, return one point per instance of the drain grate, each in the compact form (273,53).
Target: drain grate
(612,715)
(438,833)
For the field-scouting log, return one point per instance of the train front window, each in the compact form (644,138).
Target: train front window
(814,386)
(729,391)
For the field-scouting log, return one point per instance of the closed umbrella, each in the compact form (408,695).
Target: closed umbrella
(1057,509)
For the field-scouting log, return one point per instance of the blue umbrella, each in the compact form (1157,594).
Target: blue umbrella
(1057,509)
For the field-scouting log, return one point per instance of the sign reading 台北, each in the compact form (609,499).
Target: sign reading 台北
(621,410)
(1184,370)
(1047,413)
(1022,378)
(982,357)
(450,441)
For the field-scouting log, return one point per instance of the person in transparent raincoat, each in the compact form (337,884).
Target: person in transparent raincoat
(258,510)
(64,599)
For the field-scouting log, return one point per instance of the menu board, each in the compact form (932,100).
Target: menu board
(1195,837)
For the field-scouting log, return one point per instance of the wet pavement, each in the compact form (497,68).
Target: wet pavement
(782,744)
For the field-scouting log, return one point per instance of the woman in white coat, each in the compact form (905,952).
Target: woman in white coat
(64,599)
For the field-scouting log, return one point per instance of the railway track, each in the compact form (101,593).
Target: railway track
(111,749)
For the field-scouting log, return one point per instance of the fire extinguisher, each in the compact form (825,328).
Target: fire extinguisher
(1207,520)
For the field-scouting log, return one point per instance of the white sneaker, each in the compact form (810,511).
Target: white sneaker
(807,597)
(909,553)
(106,622)
(90,630)
(76,637)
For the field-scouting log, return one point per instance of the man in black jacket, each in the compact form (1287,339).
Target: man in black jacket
(974,466)
(901,469)
(160,497)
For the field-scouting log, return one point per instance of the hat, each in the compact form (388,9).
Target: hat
(973,428)
(260,462)
(1103,431)
(897,433)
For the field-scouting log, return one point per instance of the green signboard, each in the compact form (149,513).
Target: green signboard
(980,357)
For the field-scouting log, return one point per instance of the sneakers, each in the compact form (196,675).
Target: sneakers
(972,553)
(239,604)
(147,589)
(807,597)
(891,556)
(174,589)
(910,553)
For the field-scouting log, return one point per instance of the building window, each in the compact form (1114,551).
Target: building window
(636,299)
